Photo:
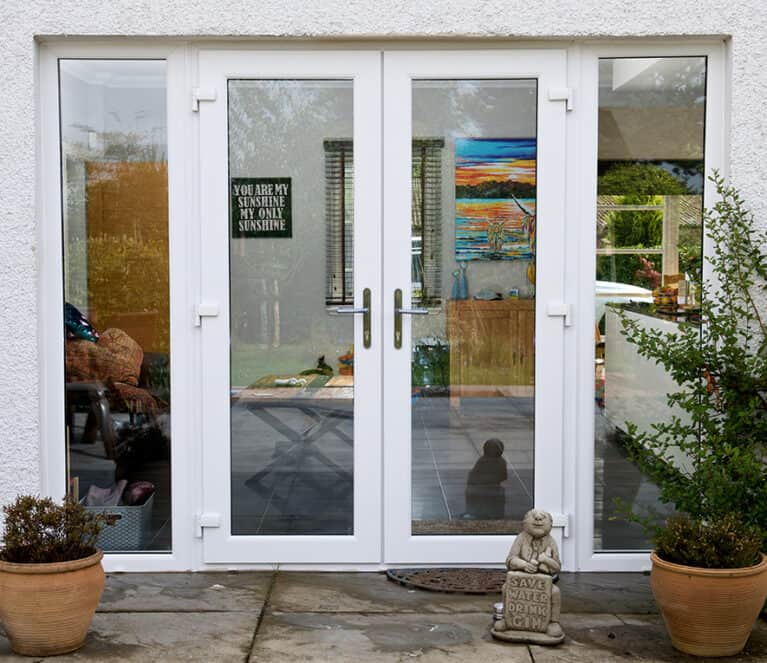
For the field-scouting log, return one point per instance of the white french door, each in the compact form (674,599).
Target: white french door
(473,396)
(363,404)
(292,469)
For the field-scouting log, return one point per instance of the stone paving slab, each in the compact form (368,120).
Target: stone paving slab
(185,592)
(607,592)
(610,638)
(365,592)
(202,637)
(293,637)
(374,592)
(361,617)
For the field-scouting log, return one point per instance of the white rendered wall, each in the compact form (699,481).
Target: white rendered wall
(22,21)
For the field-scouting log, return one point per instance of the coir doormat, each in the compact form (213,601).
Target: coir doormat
(451,580)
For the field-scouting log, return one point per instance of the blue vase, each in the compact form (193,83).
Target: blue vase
(456,290)
(463,281)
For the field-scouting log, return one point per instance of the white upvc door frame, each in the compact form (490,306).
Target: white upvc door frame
(576,473)
(182,247)
(549,67)
(364,69)
(582,287)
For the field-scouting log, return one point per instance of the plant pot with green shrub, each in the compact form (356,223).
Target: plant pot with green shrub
(51,578)
(709,576)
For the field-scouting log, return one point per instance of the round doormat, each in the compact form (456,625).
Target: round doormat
(461,581)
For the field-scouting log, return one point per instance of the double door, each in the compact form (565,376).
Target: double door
(383,271)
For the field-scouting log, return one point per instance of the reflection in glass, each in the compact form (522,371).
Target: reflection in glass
(649,248)
(473,357)
(116,306)
(292,356)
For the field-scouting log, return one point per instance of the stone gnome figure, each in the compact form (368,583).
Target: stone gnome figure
(531,602)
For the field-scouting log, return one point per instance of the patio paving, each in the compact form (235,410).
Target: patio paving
(287,616)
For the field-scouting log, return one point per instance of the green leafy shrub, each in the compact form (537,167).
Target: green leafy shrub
(39,531)
(625,268)
(124,275)
(718,415)
(643,183)
(431,364)
(726,543)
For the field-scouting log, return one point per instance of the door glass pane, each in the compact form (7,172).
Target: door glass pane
(649,237)
(473,268)
(114,176)
(292,357)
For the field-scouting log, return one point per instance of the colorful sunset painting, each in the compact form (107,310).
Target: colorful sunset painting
(495,198)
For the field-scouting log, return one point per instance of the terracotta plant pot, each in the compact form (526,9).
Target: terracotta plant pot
(46,609)
(708,612)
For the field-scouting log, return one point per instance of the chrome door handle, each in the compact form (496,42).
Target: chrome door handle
(413,311)
(365,310)
(350,310)
(399,312)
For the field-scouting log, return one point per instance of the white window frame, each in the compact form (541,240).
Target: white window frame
(183,175)
(581,193)
(183,246)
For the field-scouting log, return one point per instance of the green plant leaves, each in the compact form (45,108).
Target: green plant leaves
(720,367)
(39,531)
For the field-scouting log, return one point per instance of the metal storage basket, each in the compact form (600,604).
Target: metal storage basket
(132,531)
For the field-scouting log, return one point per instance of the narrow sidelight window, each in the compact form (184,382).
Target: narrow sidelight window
(651,172)
(114,170)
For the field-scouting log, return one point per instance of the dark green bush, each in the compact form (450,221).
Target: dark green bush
(38,531)
(624,268)
(726,543)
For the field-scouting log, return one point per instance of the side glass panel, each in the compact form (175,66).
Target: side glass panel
(649,247)
(291,172)
(116,306)
(473,269)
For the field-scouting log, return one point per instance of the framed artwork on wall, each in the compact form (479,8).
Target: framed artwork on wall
(495,198)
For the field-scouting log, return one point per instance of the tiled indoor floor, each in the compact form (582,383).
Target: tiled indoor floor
(292,470)
(618,483)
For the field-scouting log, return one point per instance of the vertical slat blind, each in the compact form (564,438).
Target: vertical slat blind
(339,220)
(426,221)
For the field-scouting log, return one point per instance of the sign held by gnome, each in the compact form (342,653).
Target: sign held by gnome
(531,602)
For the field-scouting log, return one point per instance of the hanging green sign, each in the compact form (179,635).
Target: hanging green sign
(261,207)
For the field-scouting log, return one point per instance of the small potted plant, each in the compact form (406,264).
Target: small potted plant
(709,576)
(51,576)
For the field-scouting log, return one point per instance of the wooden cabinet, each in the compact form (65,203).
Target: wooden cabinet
(492,347)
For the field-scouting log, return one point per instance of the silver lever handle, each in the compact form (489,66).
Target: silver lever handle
(350,310)
(399,312)
(365,310)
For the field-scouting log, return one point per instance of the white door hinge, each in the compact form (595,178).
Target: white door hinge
(205,310)
(560,309)
(203,520)
(562,94)
(200,94)
(562,520)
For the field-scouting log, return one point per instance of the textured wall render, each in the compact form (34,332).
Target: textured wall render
(23,20)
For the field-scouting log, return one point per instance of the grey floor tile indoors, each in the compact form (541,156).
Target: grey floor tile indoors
(292,469)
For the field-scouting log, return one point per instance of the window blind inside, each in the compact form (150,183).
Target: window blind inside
(426,233)
(339,220)
(426,225)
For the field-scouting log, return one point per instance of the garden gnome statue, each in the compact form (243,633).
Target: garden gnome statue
(531,601)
